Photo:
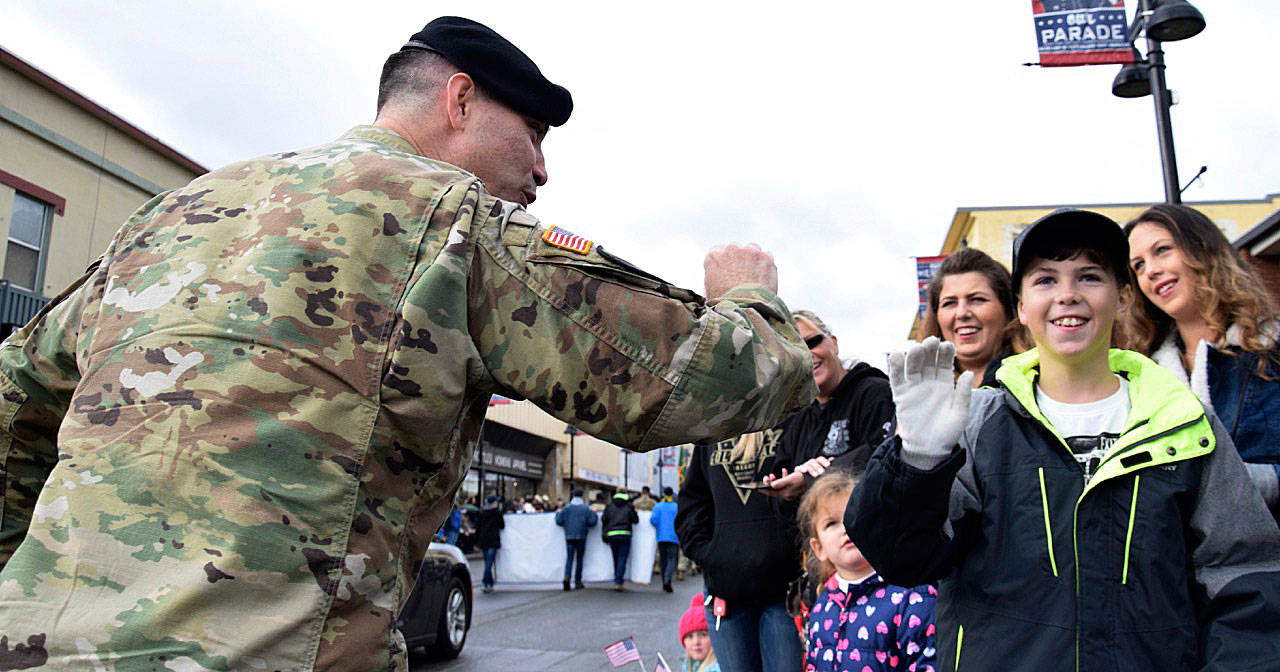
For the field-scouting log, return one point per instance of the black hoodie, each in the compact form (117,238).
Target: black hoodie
(747,553)
(857,418)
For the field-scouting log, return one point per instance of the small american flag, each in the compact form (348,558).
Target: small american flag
(622,652)
(661,665)
(563,239)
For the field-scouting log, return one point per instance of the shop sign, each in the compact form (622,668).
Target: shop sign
(510,462)
(598,477)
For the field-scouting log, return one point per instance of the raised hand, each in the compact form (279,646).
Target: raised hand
(728,266)
(932,405)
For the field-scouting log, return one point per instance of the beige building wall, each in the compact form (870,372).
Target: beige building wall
(102,166)
(593,460)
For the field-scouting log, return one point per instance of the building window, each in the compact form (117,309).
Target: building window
(28,242)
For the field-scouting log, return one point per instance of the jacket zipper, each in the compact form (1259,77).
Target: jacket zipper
(1075,517)
(1048,529)
(959,646)
(1128,536)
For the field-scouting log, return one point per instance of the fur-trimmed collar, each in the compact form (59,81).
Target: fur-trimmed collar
(1169,355)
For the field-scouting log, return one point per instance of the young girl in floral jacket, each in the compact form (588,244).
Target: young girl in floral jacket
(859,623)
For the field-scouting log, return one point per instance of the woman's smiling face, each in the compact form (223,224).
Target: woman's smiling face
(971,317)
(1162,272)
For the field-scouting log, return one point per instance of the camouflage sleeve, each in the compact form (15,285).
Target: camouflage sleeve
(38,374)
(621,354)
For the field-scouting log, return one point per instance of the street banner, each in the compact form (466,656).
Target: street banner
(1081,32)
(926,268)
(533,552)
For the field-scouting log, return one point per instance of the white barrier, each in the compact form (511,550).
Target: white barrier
(533,551)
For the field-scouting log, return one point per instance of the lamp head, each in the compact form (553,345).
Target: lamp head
(1132,80)
(1174,20)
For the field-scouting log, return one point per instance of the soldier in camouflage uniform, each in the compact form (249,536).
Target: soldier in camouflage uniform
(228,445)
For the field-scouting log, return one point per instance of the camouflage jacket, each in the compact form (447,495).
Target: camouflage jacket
(228,445)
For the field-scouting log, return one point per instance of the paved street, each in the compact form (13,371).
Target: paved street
(553,630)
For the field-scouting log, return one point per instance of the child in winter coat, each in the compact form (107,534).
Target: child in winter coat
(859,621)
(1088,514)
(694,638)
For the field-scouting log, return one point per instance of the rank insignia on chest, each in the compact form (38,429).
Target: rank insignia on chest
(558,237)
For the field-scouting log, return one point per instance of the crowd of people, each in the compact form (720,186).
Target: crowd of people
(1053,468)
(616,518)
(1077,468)
(1029,412)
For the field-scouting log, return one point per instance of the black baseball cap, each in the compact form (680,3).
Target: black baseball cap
(498,66)
(1071,226)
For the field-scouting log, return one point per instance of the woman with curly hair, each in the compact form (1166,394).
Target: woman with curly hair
(970,304)
(1205,315)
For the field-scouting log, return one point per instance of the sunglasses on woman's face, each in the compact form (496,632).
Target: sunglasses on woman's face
(814,340)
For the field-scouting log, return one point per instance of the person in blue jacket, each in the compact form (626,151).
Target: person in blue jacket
(576,519)
(453,525)
(663,518)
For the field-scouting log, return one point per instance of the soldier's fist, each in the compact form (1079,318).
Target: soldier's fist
(728,266)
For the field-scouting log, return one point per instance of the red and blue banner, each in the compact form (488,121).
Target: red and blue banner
(1081,32)
(926,268)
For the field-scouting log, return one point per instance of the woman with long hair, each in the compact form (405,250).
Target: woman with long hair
(970,304)
(1206,315)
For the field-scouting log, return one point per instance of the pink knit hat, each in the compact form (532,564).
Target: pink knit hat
(694,619)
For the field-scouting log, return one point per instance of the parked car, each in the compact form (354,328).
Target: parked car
(437,614)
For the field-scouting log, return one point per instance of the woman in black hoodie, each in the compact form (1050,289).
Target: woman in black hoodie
(851,416)
(747,552)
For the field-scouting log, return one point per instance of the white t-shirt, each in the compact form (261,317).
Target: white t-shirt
(1089,428)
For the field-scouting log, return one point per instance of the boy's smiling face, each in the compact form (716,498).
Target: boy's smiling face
(1069,307)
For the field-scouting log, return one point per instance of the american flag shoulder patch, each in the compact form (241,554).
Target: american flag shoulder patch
(560,238)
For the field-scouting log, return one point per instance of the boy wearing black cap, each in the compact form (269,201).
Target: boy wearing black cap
(1087,514)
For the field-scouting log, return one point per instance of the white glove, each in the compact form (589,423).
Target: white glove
(932,405)
(1264,477)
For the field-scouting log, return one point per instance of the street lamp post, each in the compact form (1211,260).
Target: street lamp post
(1164,123)
(1161,21)
(572,432)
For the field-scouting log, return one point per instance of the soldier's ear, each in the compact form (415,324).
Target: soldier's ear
(459,98)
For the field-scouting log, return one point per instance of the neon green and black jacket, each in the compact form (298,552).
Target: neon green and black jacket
(1167,559)
(618,517)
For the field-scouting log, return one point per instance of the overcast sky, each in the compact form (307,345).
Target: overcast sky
(839,136)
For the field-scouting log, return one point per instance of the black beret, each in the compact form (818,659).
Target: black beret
(500,68)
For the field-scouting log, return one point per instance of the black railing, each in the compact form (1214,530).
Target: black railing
(17,306)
